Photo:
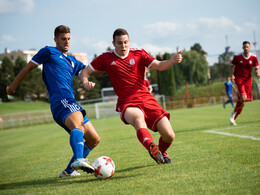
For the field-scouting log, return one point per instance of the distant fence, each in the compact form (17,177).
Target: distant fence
(25,118)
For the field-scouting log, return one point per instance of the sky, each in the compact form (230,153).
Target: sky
(158,26)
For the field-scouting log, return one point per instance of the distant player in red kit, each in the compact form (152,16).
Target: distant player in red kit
(243,64)
(148,85)
(126,68)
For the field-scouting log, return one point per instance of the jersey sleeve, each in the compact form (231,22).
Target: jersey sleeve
(79,66)
(234,61)
(42,56)
(147,59)
(98,63)
(256,64)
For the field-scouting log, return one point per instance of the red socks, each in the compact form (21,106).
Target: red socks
(238,109)
(145,137)
(163,146)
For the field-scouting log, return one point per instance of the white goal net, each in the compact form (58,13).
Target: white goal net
(108,109)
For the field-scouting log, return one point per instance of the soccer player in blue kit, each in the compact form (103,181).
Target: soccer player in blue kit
(58,72)
(229,87)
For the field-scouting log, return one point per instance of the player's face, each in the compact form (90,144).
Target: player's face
(121,44)
(63,42)
(246,48)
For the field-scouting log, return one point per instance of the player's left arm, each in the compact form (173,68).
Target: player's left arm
(257,71)
(165,64)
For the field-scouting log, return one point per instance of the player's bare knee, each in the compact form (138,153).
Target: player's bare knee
(139,122)
(171,138)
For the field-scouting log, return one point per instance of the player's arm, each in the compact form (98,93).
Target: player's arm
(165,64)
(84,78)
(85,73)
(257,71)
(20,77)
(231,72)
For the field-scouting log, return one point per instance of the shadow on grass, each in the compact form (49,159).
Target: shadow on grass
(65,181)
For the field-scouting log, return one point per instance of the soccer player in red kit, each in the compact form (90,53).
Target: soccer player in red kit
(126,67)
(243,64)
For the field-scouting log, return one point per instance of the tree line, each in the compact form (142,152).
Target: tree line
(193,70)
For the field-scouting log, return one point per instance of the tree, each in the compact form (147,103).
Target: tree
(6,77)
(220,70)
(194,67)
(197,47)
(166,78)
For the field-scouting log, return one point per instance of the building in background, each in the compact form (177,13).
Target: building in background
(28,54)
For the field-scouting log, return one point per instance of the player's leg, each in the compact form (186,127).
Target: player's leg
(135,117)
(91,141)
(241,96)
(167,137)
(75,123)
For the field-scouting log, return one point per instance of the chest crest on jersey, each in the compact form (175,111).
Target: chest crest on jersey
(250,62)
(132,61)
(72,64)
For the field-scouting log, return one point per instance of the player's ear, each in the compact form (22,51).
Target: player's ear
(113,43)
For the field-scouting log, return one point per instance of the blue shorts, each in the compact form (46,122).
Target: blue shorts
(60,110)
(230,95)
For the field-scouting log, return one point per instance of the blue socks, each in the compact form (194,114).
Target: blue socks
(77,142)
(86,151)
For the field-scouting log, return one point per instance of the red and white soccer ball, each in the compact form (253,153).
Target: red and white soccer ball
(104,167)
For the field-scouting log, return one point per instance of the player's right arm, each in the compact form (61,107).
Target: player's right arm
(20,77)
(231,72)
(85,73)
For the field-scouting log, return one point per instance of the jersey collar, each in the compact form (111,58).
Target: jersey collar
(121,56)
(245,56)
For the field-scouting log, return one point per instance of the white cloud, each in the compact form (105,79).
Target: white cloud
(7,39)
(153,49)
(163,29)
(95,47)
(11,6)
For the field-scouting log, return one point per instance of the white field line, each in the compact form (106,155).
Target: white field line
(233,135)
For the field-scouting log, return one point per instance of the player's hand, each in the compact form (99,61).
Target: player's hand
(89,85)
(232,78)
(177,58)
(10,90)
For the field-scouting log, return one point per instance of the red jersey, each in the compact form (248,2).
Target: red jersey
(126,73)
(243,66)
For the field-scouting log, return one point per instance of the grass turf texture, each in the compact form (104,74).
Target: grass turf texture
(31,158)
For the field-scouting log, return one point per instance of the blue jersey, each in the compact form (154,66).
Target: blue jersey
(58,72)
(228,85)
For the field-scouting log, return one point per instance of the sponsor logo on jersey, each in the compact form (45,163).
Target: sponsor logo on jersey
(113,63)
(132,61)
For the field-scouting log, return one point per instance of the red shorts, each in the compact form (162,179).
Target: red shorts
(151,109)
(244,88)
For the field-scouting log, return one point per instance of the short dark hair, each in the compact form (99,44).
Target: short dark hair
(61,29)
(119,32)
(246,42)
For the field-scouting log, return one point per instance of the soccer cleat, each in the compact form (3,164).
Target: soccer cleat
(82,164)
(155,153)
(232,118)
(65,174)
(167,159)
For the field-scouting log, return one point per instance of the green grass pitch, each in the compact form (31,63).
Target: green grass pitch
(32,157)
